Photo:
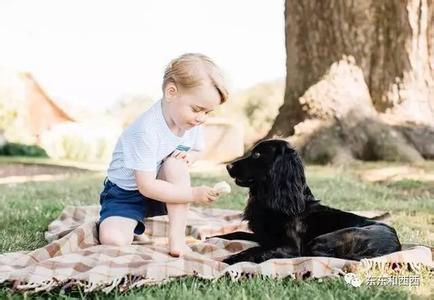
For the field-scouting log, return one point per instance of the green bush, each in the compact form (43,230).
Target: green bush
(255,108)
(16,149)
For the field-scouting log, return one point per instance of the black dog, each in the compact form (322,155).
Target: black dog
(287,221)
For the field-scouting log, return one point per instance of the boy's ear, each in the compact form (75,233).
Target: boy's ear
(171,91)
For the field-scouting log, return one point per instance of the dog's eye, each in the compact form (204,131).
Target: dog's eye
(256,154)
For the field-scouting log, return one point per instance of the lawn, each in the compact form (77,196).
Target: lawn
(27,208)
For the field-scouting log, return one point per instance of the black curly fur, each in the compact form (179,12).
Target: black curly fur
(287,221)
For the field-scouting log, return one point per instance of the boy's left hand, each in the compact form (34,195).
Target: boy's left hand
(182,155)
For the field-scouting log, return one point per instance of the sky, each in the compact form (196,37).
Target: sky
(92,53)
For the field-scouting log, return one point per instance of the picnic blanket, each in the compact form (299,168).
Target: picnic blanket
(73,256)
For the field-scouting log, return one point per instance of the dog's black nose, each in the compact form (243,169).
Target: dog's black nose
(229,167)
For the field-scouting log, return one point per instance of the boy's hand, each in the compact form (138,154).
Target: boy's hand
(182,155)
(204,194)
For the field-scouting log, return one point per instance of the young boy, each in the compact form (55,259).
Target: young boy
(148,174)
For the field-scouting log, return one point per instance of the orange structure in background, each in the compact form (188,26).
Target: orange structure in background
(40,112)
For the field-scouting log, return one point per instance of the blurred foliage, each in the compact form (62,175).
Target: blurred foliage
(16,149)
(129,107)
(11,98)
(256,108)
(91,142)
(7,113)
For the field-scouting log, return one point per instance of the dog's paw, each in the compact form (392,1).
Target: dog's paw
(229,261)
(233,259)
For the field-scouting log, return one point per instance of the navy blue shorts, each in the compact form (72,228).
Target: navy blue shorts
(116,201)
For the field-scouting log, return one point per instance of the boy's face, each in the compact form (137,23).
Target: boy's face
(190,107)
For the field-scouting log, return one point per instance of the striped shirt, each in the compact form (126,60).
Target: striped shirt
(145,143)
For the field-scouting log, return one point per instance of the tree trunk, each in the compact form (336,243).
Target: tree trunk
(392,43)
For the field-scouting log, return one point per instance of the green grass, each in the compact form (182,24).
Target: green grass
(254,288)
(26,209)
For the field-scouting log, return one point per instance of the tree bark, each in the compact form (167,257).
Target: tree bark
(392,42)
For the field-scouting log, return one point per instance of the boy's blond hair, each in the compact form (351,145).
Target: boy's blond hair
(190,69)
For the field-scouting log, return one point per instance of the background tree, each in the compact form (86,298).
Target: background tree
(359,79)
(11,100)
(129,107)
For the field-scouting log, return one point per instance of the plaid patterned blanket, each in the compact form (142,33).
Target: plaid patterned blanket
(73,256)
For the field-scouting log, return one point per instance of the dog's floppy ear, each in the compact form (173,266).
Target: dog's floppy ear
(288,183)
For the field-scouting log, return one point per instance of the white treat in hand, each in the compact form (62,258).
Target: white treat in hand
(222,187)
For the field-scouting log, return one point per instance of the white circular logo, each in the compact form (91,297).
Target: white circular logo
(353,279)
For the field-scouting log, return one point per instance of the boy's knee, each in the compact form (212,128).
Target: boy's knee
(174,170)
(174,163)
(114,237)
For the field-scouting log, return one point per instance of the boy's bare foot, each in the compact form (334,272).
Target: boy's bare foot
(179,251)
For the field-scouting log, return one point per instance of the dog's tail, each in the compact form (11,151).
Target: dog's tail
(381,217)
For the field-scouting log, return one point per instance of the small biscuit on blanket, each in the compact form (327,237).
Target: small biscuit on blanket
(222,187)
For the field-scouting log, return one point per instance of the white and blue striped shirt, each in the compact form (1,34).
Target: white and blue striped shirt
(145,143)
